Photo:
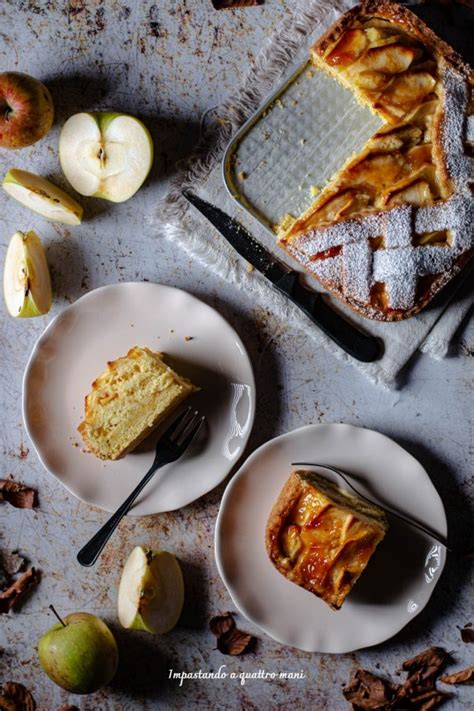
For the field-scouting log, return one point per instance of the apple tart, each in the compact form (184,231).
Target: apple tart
(134,394)
(395,224)
(321,537)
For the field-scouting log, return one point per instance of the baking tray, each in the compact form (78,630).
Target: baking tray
(286,152)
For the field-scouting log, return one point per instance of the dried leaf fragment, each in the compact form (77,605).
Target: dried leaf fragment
(230,640)
(18,495)
(220,624)
(465,676)
(467,634)
(11,562)
(422,672)
(427,701)
(368,691)
(234,642)
(16,697)
(14,594)
(232,4)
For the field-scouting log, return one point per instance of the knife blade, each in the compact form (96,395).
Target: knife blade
(359,345)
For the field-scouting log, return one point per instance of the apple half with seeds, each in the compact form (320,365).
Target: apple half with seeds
(26,281)
(105,155)
(42,196)
(151,591)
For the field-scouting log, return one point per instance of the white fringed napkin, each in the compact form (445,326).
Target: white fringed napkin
(430,331)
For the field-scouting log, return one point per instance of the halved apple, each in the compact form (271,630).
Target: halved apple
(151,591)
(105,155)
(42,196)
(26,281)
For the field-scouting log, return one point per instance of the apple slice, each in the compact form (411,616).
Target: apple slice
(26,282)
(151,591)
(105,155)
(42,196)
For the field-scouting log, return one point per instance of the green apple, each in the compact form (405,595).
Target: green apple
(105,155)
(26,110)
(42,196)
(151,591)
(26,281)
(79,653)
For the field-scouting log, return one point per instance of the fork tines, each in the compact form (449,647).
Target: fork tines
(184,428)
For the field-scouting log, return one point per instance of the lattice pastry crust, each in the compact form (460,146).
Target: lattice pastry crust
(395,224)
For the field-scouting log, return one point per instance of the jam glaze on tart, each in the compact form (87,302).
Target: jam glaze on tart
(321,537)
(394,225)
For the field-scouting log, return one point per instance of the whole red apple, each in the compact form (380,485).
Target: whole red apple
(26,110)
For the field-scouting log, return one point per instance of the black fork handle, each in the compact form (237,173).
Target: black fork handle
(88,555)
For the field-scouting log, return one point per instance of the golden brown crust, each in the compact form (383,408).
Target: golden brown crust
(290,493)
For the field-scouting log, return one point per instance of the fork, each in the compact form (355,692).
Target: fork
(170,447)
(406,519)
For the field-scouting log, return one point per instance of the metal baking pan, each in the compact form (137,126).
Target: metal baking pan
(286,152)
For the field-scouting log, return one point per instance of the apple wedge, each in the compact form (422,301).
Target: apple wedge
(105,155)
(42,196)
(151,591)
(26,281)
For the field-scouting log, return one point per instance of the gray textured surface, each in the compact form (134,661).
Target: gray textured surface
(168,62)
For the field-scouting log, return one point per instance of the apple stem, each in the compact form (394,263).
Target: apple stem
(54,611)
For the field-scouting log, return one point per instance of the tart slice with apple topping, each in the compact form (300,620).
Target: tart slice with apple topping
(321,537)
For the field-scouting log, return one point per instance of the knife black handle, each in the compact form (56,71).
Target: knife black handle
(358,344)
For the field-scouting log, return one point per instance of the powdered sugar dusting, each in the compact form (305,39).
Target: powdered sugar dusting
(344,232)
(327,270)
(456,99)
(399,270)
(398,227)
(357,270)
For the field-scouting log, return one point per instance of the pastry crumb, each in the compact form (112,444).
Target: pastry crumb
(242,175)
(309,74)
(188,338)
(314,190)
(250,268)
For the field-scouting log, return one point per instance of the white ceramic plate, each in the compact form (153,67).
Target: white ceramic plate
(399,579)
(103,325)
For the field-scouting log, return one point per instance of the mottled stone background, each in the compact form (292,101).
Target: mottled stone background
(168,62)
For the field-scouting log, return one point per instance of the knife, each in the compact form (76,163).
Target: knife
(359,345)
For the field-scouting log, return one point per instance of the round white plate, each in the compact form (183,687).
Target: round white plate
(102,326)
(400,577)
